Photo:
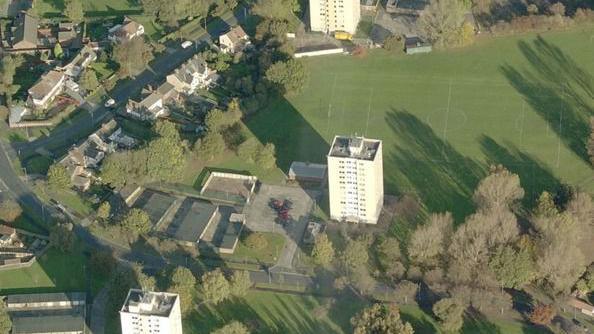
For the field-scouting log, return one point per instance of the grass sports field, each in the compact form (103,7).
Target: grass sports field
(444,117)
(92,7)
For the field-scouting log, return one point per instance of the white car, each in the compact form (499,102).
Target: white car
(109,103)
(186,44)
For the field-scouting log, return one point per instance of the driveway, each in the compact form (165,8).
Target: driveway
(261,217)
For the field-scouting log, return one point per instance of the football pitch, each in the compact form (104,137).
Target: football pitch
(523,102)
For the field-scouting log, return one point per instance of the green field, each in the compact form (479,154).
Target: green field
(444,117)
(48,8)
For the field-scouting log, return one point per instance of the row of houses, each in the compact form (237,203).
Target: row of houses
(82,161)
(191,76)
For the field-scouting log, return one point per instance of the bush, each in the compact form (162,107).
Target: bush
(256,240)
(394,43)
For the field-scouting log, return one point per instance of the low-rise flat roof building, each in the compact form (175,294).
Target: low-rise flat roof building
(146,312)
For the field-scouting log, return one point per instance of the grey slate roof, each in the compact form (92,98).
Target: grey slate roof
(195,65)
(26,31)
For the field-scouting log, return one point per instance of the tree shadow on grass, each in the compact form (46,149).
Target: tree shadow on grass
(558,89)
(292,135)
(443,178)
(534,178)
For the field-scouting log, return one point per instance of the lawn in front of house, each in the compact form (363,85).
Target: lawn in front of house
(521,101)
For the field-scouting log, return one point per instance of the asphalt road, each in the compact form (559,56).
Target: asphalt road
(64,136)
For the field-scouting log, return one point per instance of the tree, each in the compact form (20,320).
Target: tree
(231,4)
(388,255)
(217,120)
(145,282)
(240,283)
(57,177)
(429,242)
(10,210)
(58,52)
(557,9)
(183,283)
(88,80)
(545,206)
(441,22)
(234,327)
(104,210)
(289,76)
(513,268)
(119,168)
(212,145)
(354,255)
(132,56)
(248,149)
(137,221)
(151,7)
(406,291)
(74,11)
(532,9)
(172,13)
(499,190)
(586,284)
(380,319)
(542,315)
(450,315)
(165,156)
(61,237)
(323,251)
(266,157)
(8,68)
(215,286)
(5,322)
(273,9)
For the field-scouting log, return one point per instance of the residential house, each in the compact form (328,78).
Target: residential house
(7,235)
(82,160)
(80,62)
(235,40)
(46,313)
(125,31)
(47,88)
(152,106)
(192,75)
(24,32)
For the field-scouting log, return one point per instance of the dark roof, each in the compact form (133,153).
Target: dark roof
(231,235)
(415,42)
(26,31)
(51,321)
(195,65)
(191,220)
(45,297)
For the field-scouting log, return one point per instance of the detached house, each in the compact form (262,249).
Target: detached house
(125,31)
(235,40)
(192,75)
(47,88)
(152,106)
(24,32)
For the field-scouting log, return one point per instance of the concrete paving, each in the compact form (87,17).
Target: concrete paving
(261,217)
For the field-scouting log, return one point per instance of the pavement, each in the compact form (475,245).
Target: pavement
(261,217)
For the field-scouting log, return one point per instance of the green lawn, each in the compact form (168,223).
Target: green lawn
(53,272)
(50,8)
(276,313)
(444,117)
(268,254)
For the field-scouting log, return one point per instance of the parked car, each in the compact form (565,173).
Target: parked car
(109,103)
(186,44)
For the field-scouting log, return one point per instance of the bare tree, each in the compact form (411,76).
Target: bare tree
(428,243)
(441,22)
(499,190)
